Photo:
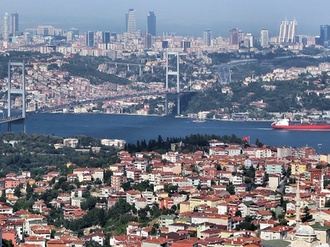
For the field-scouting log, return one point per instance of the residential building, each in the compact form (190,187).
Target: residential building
(249,40)
(284,29)
(274,168)
(131,21)
(264,40)
(292,31)
(207,37)
(234,36)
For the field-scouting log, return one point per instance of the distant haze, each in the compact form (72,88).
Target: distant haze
(183,17)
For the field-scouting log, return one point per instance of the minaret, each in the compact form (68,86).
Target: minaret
(322,181)
(298,220)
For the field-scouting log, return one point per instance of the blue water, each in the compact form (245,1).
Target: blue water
(133,128)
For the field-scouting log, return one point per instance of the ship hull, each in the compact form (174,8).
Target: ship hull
(303,127)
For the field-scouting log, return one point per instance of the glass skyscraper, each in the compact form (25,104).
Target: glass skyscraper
(324,35)
(14,24)
(106,37)
(90,38)
(151,23)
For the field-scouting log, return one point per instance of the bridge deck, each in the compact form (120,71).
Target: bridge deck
(11,119)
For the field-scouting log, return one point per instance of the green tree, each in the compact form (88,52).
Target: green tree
(7,243)
(89,203)
(307,216)
(17,191)
(230,188)
(327,204)
(92,244)
(258,143)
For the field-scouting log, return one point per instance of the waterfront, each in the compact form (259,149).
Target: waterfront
(133,128)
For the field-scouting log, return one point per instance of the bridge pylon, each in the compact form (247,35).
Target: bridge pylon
(14,91)
(173,73)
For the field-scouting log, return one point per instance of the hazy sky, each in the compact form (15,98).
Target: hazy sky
(180,16)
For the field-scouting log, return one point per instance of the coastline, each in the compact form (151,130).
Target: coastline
(154,115)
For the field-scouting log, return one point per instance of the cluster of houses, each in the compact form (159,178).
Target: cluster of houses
(212,193)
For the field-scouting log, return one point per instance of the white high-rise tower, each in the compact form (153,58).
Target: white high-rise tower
(283,36)
(207,37)
(264,38)
(6,27)
(131,21)
(292,31)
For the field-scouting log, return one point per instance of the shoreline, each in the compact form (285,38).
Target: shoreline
(155,115)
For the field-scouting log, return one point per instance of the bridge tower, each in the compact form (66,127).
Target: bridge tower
(173,73)
(14,91)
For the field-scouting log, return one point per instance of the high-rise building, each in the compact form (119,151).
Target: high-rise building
(284,30)
(14,24)
(185,44)
(241,36)
(248,40)
(131,21)
(288,31)
(75,31)
(6,27)
(113,36)
(264,38)
(106,37)
(207,37)
(164,44)
(90,38)
(148,41)
(292,31)
(151,23)
(45,30)
(324,35)
(234,36)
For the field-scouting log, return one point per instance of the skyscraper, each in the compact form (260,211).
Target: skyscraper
(292,31)
(234,36)
(185,44)
(324,35)
(283,36)
(90,38)
(248,40)
(264,40)
(207,37)
(131,21)
(148,41)
(106,37)
(6,27)
(288,31)
(151,23)
(14,24)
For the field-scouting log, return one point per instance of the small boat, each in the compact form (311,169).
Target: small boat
(199,120)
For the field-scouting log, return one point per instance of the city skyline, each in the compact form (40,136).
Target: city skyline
(186,18)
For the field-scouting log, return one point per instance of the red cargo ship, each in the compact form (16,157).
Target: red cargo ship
(287,125)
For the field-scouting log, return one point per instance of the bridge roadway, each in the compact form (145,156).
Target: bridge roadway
(11,119)
(75,103)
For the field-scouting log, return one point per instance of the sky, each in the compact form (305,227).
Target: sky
(183,17)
